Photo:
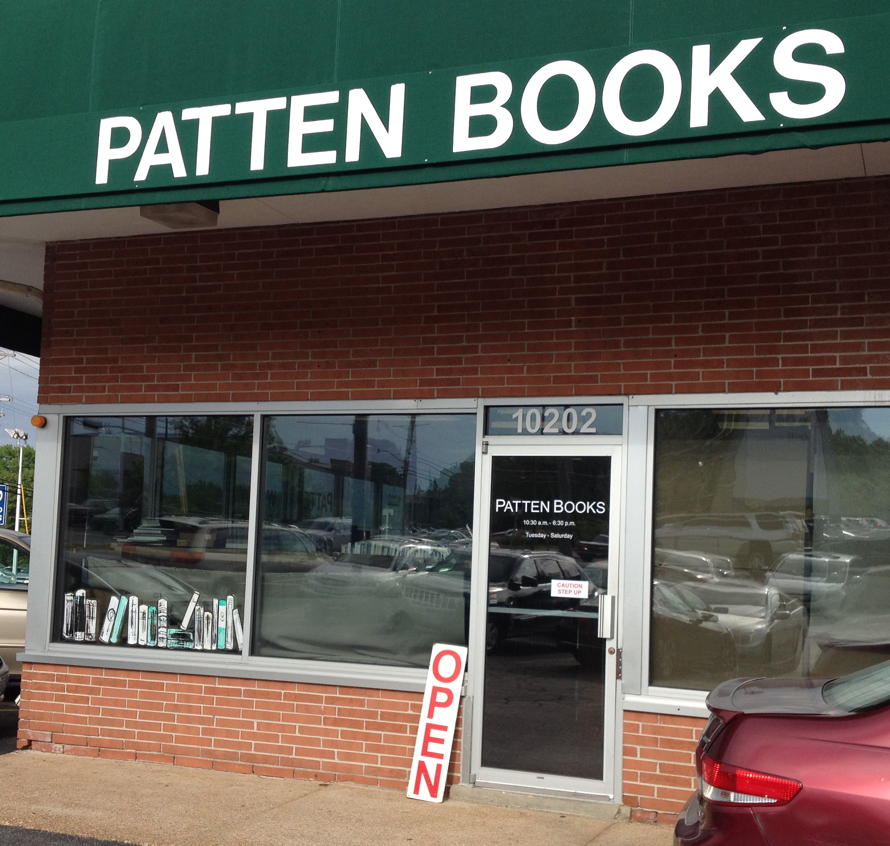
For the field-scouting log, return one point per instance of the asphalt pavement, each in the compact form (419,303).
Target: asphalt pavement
(68,800)
(18,836)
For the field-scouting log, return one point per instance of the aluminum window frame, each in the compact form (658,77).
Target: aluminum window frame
(636,537)
(639,695)
(40,648)
(479,587)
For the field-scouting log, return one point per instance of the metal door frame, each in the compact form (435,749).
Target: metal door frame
(532,782)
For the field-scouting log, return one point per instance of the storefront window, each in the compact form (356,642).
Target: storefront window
(154,532)
(364,550)
(771,551)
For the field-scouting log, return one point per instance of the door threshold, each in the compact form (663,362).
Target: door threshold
(558,802)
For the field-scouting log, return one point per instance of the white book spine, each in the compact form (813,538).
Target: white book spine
(199,628)
(162,623)
(230,628)
(68,619)
(239,630)
(92,613)
(187,617)
(133,621)
(108,624)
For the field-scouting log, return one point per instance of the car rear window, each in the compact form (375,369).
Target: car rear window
(860,691)
(570,570)
(500,567)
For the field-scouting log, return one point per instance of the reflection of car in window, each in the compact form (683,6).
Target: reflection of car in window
(767,626)
(218,545)
(519,589)
(691,566)
(115,520)
(451,536)
(689,645)
(375,564)
(211,553)
(329,533)
(819,579)
(437,599)
(863,537)
(587,550)
(752,540)
(598,573)
(357,606)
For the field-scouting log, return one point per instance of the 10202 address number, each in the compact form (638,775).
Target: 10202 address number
(555,420)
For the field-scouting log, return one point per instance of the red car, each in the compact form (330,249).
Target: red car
(794,762)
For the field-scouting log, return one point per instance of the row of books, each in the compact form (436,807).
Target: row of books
(210,625)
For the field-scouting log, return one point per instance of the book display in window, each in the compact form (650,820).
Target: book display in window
(211,624)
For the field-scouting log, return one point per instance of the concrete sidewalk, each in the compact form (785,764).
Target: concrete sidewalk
(162,805)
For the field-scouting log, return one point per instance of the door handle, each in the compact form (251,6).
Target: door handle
(606,622)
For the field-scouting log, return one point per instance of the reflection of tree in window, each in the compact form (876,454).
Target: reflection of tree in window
(206,466)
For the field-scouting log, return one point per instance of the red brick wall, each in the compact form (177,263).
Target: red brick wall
(269,728)
(659,764)
(776,288)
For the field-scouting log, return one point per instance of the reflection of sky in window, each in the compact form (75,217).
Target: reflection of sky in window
(440,444)
(878,421)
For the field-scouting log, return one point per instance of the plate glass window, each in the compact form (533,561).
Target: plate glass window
(153,547)
(771,543)
(364,548)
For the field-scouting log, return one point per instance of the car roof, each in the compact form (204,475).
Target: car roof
(21,537)
(529,553)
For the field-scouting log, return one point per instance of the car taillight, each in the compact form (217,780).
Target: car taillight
(724,783)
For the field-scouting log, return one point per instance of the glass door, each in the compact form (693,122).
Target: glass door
(548,685)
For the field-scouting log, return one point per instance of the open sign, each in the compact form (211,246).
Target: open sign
(438,718)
